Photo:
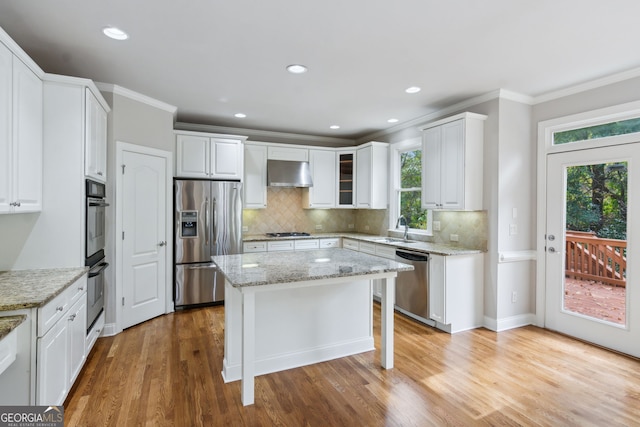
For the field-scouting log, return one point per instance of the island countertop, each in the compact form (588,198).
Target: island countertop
(263,268)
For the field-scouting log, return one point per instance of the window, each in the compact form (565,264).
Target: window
(622,127)
(408,191)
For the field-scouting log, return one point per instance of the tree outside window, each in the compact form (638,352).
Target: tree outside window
(410,191)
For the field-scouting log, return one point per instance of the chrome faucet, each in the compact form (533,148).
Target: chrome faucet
(406,226)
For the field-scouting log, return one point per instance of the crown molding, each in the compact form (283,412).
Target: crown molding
(6,39)
(127,93)
(590,85)
(424,120)
(78,81)
(269,136)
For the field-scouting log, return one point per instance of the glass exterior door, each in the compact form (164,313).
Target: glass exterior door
(590,275)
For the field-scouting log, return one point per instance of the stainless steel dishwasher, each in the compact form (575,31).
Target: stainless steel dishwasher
(412,287)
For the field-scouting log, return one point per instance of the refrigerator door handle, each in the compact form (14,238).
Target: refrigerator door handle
(206,221)
(215,231)
(201,267)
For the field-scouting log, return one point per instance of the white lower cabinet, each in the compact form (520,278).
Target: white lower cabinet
(291,245)
(61,347)
(455,291)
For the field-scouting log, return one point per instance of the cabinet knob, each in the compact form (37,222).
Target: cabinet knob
(100,173)
(59,308)
(72,317)
(81,289)
(161,244)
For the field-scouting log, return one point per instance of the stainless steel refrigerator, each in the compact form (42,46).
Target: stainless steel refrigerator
(208,222)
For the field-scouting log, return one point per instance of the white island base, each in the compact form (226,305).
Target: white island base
(270,328)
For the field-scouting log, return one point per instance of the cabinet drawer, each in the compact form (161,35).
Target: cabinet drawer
(52,311)
(76,290)
(329,243)
(254,247)
(386,251)
(284,245)
(369,248)
(350,244)
(301,245)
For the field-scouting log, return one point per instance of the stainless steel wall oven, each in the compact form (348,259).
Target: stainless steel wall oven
(95,241)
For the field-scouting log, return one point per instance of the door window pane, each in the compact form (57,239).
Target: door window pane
(596,245)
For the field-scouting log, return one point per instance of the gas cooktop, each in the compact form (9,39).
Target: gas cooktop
(288,234)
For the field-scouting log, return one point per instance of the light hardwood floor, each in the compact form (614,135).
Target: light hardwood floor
(166,372)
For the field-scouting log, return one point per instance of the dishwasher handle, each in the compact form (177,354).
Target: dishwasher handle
(411,256)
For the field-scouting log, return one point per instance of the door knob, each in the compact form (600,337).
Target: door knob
(552,250)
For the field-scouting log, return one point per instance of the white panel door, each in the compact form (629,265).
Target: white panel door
(144,247)
(591,279)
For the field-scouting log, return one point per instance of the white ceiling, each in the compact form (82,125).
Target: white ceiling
(214,58)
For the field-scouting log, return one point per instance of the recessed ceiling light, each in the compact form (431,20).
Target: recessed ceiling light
(412,89)
(115,33)
(296,69)
(392,120)
(240,115)
(334,127)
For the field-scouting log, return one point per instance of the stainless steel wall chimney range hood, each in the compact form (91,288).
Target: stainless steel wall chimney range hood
(287,173)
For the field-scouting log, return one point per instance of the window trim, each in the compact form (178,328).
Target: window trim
(394,189)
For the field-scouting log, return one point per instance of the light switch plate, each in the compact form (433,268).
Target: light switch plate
(436,225)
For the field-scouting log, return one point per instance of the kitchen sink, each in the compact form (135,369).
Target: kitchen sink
(394,240)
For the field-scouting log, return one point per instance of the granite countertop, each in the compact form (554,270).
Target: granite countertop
(265,268)
(426,247)
(9,323)
(20,289)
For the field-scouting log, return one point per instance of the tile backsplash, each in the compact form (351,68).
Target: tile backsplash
(284,212)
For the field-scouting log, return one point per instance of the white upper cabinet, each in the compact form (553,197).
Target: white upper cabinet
(6,109)
(372,175)
(452,163)
(322,164)
(21,136)
(95,162)
(203,155)
(280,152)
(255,176)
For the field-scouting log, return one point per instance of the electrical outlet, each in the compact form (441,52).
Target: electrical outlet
(350,226)
(436,225)
(514,296)
(318,226)
(245,228)
(513,229)
(453,237)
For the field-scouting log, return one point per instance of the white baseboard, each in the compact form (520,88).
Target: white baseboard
(109,330)
(286,361)
(499,325)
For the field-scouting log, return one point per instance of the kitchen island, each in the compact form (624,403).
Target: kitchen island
(289,309)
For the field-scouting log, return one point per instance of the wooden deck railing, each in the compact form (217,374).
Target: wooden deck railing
(592,258)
